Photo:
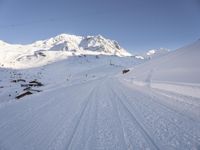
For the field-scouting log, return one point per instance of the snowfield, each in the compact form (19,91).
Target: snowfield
(86,93)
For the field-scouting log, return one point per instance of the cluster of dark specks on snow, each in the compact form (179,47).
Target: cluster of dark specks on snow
(28,90)
(19,83)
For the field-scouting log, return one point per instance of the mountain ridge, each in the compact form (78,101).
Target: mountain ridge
(67,42)
(58,48)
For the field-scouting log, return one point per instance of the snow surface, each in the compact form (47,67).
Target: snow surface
(86,102)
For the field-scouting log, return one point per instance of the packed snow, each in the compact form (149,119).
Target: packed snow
(85,93)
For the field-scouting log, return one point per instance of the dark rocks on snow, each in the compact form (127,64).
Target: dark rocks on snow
(18,80)
(32,84)
(23,94)
(28,88)
(125,71)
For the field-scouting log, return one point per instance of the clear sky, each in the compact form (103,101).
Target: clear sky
(137,25)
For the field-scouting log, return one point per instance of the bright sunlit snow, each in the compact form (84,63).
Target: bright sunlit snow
(85,93)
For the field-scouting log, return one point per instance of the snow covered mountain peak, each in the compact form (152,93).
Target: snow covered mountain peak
(100,44)
(57,48)
(89,44)
(61,39)
(66,38)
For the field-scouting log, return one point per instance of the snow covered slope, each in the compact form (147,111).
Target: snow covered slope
(153,53)
(57,48)
(180,66)
(78,100)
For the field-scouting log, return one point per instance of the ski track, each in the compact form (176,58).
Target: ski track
(173,129)
(145,141)
(184,105)
(104,114)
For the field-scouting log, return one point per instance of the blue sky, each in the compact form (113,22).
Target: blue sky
(137,25)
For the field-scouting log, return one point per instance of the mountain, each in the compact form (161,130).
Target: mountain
(153,53)
(101,44)
(60,42)
(58,48)
(92,44)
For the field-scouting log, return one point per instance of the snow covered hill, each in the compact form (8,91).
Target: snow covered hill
(177,67)
(153,53)
(57,48)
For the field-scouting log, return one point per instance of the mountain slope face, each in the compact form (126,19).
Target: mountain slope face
(58,48)
(176,72)
(181,65)
(97,44)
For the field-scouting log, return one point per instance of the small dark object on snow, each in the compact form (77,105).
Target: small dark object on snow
(1,87)
(23,94)
(18,80)
(36,83)
(25,85)
(28,88)
(97,57)
(32,84)
(41,54)
(125,71)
